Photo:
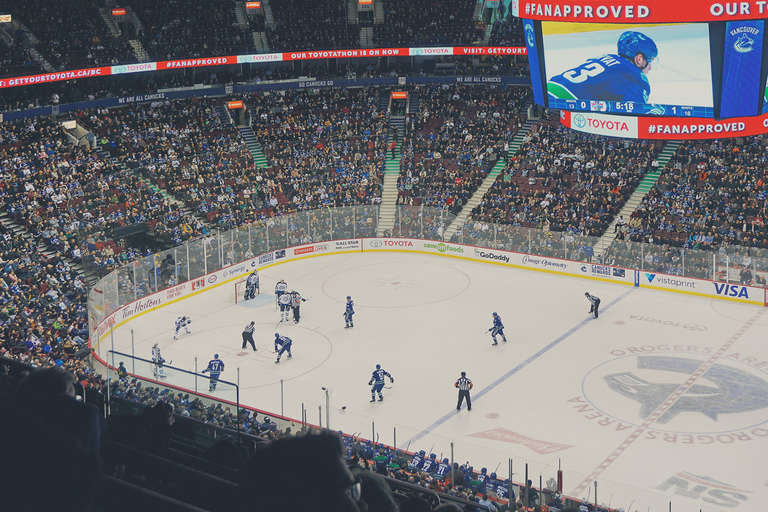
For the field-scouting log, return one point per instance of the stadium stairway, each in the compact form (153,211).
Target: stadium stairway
(387,208)
(242,21)
(473,201)
(647,183)
(352,12)
(110,22)
(18,230)
(252,143)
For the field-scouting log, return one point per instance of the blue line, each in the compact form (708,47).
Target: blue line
(517,369)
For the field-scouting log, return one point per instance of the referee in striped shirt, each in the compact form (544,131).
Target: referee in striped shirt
(464,385)
(248,336)
(594,302)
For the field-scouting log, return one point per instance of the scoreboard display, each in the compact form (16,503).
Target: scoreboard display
(696,60)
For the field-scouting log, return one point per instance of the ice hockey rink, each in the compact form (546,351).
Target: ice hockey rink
(663,398)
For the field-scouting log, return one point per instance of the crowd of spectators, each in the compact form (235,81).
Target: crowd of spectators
(453,141)
(72,35)
(507,32)
(428,23)
(176,29)
(15,60)
(563,180)
(320,25)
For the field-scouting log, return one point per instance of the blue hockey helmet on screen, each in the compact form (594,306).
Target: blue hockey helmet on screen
(631,43)
(378,366)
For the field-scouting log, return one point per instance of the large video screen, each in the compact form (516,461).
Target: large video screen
(662,69)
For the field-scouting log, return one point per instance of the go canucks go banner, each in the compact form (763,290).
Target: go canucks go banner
(664,128)
(642,11)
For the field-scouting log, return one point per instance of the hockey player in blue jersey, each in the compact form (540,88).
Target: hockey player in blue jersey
(430,464)
(282,344)
(377,381)
(443,470)
(417,460)
(613,77)
(215,367)
(497,329)
(348,312)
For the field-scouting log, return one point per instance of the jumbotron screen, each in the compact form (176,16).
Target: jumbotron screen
(663,58)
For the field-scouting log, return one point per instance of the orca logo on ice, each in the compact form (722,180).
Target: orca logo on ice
(744,44)
(579,121)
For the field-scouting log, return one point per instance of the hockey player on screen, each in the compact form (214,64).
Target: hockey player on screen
(497,329)
(252,285)
(285,301)
(158,361)
(215,367)
(377,381)
(283,343)
(182,321)
(613,77)
(348,312)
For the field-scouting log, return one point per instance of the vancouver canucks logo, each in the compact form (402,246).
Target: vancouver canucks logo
(530,36)
(728,390)
(744,44)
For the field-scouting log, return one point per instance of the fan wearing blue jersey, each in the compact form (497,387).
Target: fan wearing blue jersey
(497,329)
(377,381)
(613,77)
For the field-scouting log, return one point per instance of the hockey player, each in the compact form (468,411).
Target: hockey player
(248,336)
(417,460)
(296,300)
(349,312)
(215,367)
(377,381)
(430,464)
(182,321)
(443,470)
(280,288)
(498,328)
(252,285)
(284,343)
(285,300)
(483,476)
(158,361)
(594,303)
(614,77)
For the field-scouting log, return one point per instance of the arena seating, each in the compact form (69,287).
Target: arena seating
(427,23)
(321,25)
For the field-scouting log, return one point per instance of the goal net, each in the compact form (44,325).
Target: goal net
(237,292)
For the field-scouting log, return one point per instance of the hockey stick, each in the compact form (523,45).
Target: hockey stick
(497,467)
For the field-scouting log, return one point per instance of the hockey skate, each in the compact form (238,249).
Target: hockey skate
(175,337)
(277,361)
(290,356)
(495,342)
(381,399)
(373,399)
(347,326)
(504,339)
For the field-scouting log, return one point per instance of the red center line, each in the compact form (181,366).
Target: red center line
(664,407)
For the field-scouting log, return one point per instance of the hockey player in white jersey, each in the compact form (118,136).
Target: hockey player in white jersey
(252,285)
(182,321)
(157,359)
(285,301)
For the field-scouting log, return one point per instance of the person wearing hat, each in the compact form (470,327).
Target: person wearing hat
(215,367)
(594,302)
(464,385)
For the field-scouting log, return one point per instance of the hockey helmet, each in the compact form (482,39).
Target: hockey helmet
(631,43)
(215,356)
(493,476)
(445,461)
(495,314)
(432,456)
(484,470)
(349,297)
(422,452)
(586,294)
(277,335)
(378,366)
(252,322)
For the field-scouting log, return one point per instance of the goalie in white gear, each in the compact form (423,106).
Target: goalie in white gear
(182,321)
(252,285)
(158,361)
(286,302)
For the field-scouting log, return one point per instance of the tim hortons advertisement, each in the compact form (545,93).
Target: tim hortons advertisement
(644,11)
(665,128)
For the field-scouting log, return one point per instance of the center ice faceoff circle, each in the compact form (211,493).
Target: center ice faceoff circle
(397,284)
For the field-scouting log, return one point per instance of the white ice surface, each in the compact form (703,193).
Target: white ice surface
(541,399)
